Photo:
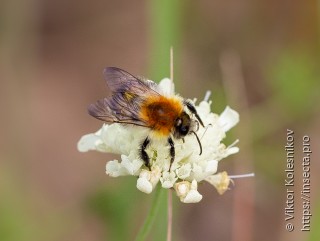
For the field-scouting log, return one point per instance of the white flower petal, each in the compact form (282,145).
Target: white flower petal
(168,179)
(144,185)
(114,169)
(131,166)
(88,142)
(167,184)
(228,119)
(203,109)
(187,192)
(202,169)
(193,196)
(145,174)
(194,185)
(166,87)
(184,171)
(212,167)
(232,150)
(136,166)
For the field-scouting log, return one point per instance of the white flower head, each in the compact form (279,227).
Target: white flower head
(189,167)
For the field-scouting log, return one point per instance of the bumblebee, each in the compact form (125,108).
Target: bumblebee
(137,101)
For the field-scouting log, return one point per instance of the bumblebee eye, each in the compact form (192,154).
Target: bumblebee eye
(184,130)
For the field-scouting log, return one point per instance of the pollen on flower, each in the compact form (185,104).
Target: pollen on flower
(182,188)
(220,181)
(188,169)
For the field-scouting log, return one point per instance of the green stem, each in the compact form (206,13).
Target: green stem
(164,32)
(144,230)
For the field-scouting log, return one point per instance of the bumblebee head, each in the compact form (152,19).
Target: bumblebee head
(184,125)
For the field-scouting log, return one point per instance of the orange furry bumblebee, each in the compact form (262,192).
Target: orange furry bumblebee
(136,101)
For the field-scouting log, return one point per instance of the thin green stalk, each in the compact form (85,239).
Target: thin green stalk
(164,32)
(144,230)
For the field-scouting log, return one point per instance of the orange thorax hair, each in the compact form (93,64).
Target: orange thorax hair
(160,113)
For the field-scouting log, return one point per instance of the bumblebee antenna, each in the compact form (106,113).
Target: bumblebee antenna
(198,142)
(193,110)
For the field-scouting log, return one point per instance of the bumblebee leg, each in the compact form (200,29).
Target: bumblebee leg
(172,151)
(143,154)
(193,111)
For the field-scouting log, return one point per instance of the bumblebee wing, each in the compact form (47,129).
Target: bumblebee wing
(128,94)
(119,80)
(113,110)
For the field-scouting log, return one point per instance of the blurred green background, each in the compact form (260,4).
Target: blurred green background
(259,57)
